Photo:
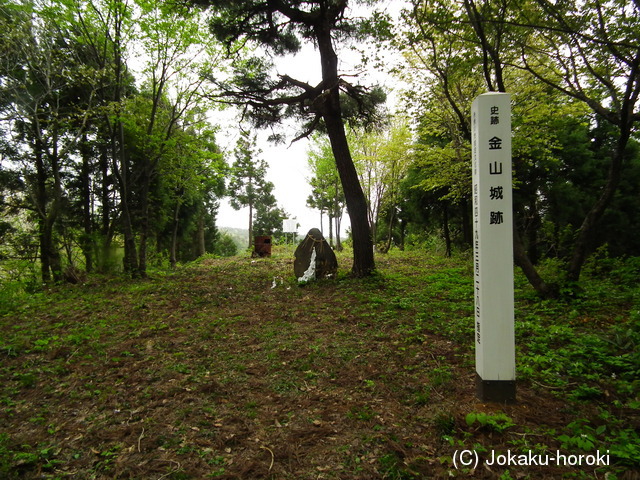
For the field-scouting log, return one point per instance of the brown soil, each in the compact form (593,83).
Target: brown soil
(230,370)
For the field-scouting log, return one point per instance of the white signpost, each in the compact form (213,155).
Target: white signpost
(290,225)
(493,248)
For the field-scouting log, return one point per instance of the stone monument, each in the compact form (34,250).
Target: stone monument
(314,258)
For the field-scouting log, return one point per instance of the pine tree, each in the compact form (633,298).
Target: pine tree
(248,184)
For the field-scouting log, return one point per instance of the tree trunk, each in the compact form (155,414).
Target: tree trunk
(337,212)
(532,232)
(445,229)
(144,221)
(363,260)
(43,240)
(174,236)
(105,221)
(584,240)
(41,206)
(250,225)
(522,260)
(392,216)
(330,222)
(51,251)
(50,262)
(119,156)
(85,179)
(56,206)
(201,246)
(338,220)
(121,171)
(467,229)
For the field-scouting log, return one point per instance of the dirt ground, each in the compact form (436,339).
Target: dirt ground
(230,370)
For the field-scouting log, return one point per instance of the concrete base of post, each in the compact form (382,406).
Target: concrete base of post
(499,391)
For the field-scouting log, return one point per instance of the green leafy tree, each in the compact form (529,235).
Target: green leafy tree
(105,28)
(269,216)
(248,186)
(46,95)
(89,148)
(225,246)
(565,47)
(327,195)
(589,51)
(281,27)
(382,157)
(396,155)
(443,71)
(192,174)
(173,88)
(108,31)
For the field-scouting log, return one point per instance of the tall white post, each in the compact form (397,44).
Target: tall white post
(493,248)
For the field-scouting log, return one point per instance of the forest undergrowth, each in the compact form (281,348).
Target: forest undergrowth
(227,368)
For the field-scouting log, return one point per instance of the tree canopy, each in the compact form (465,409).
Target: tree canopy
(109,144)
(281,27)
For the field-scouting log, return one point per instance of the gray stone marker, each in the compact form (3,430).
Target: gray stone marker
(314,258)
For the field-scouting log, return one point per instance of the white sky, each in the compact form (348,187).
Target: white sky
(287,163)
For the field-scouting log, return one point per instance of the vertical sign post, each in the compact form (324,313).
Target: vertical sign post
(493,248)
(290,225)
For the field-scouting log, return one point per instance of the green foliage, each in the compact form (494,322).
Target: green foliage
(569,137)
(248,187)
(363,413)
(496,422)
(25,458)
(392,467)
(79,135)
(382,158)
(6,457)
(620,442)
(225,246)
(327,194)
(445,424)
(221,331)
(20,282)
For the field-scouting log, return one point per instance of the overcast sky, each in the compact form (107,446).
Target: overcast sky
(287,163)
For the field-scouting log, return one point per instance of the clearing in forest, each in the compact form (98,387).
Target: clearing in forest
(227,368)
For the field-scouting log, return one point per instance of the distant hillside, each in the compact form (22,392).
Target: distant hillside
(240,236)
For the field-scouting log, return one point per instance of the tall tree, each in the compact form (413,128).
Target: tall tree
(588,51)
(396,154)
(107,28)
(269,216)
(175,70)
(484,37)
(593,48)
(327,195)
(191,176)
(280,26)
(248,185)
(47,97)
(382,157)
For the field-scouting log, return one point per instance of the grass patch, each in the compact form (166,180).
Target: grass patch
(216,370)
